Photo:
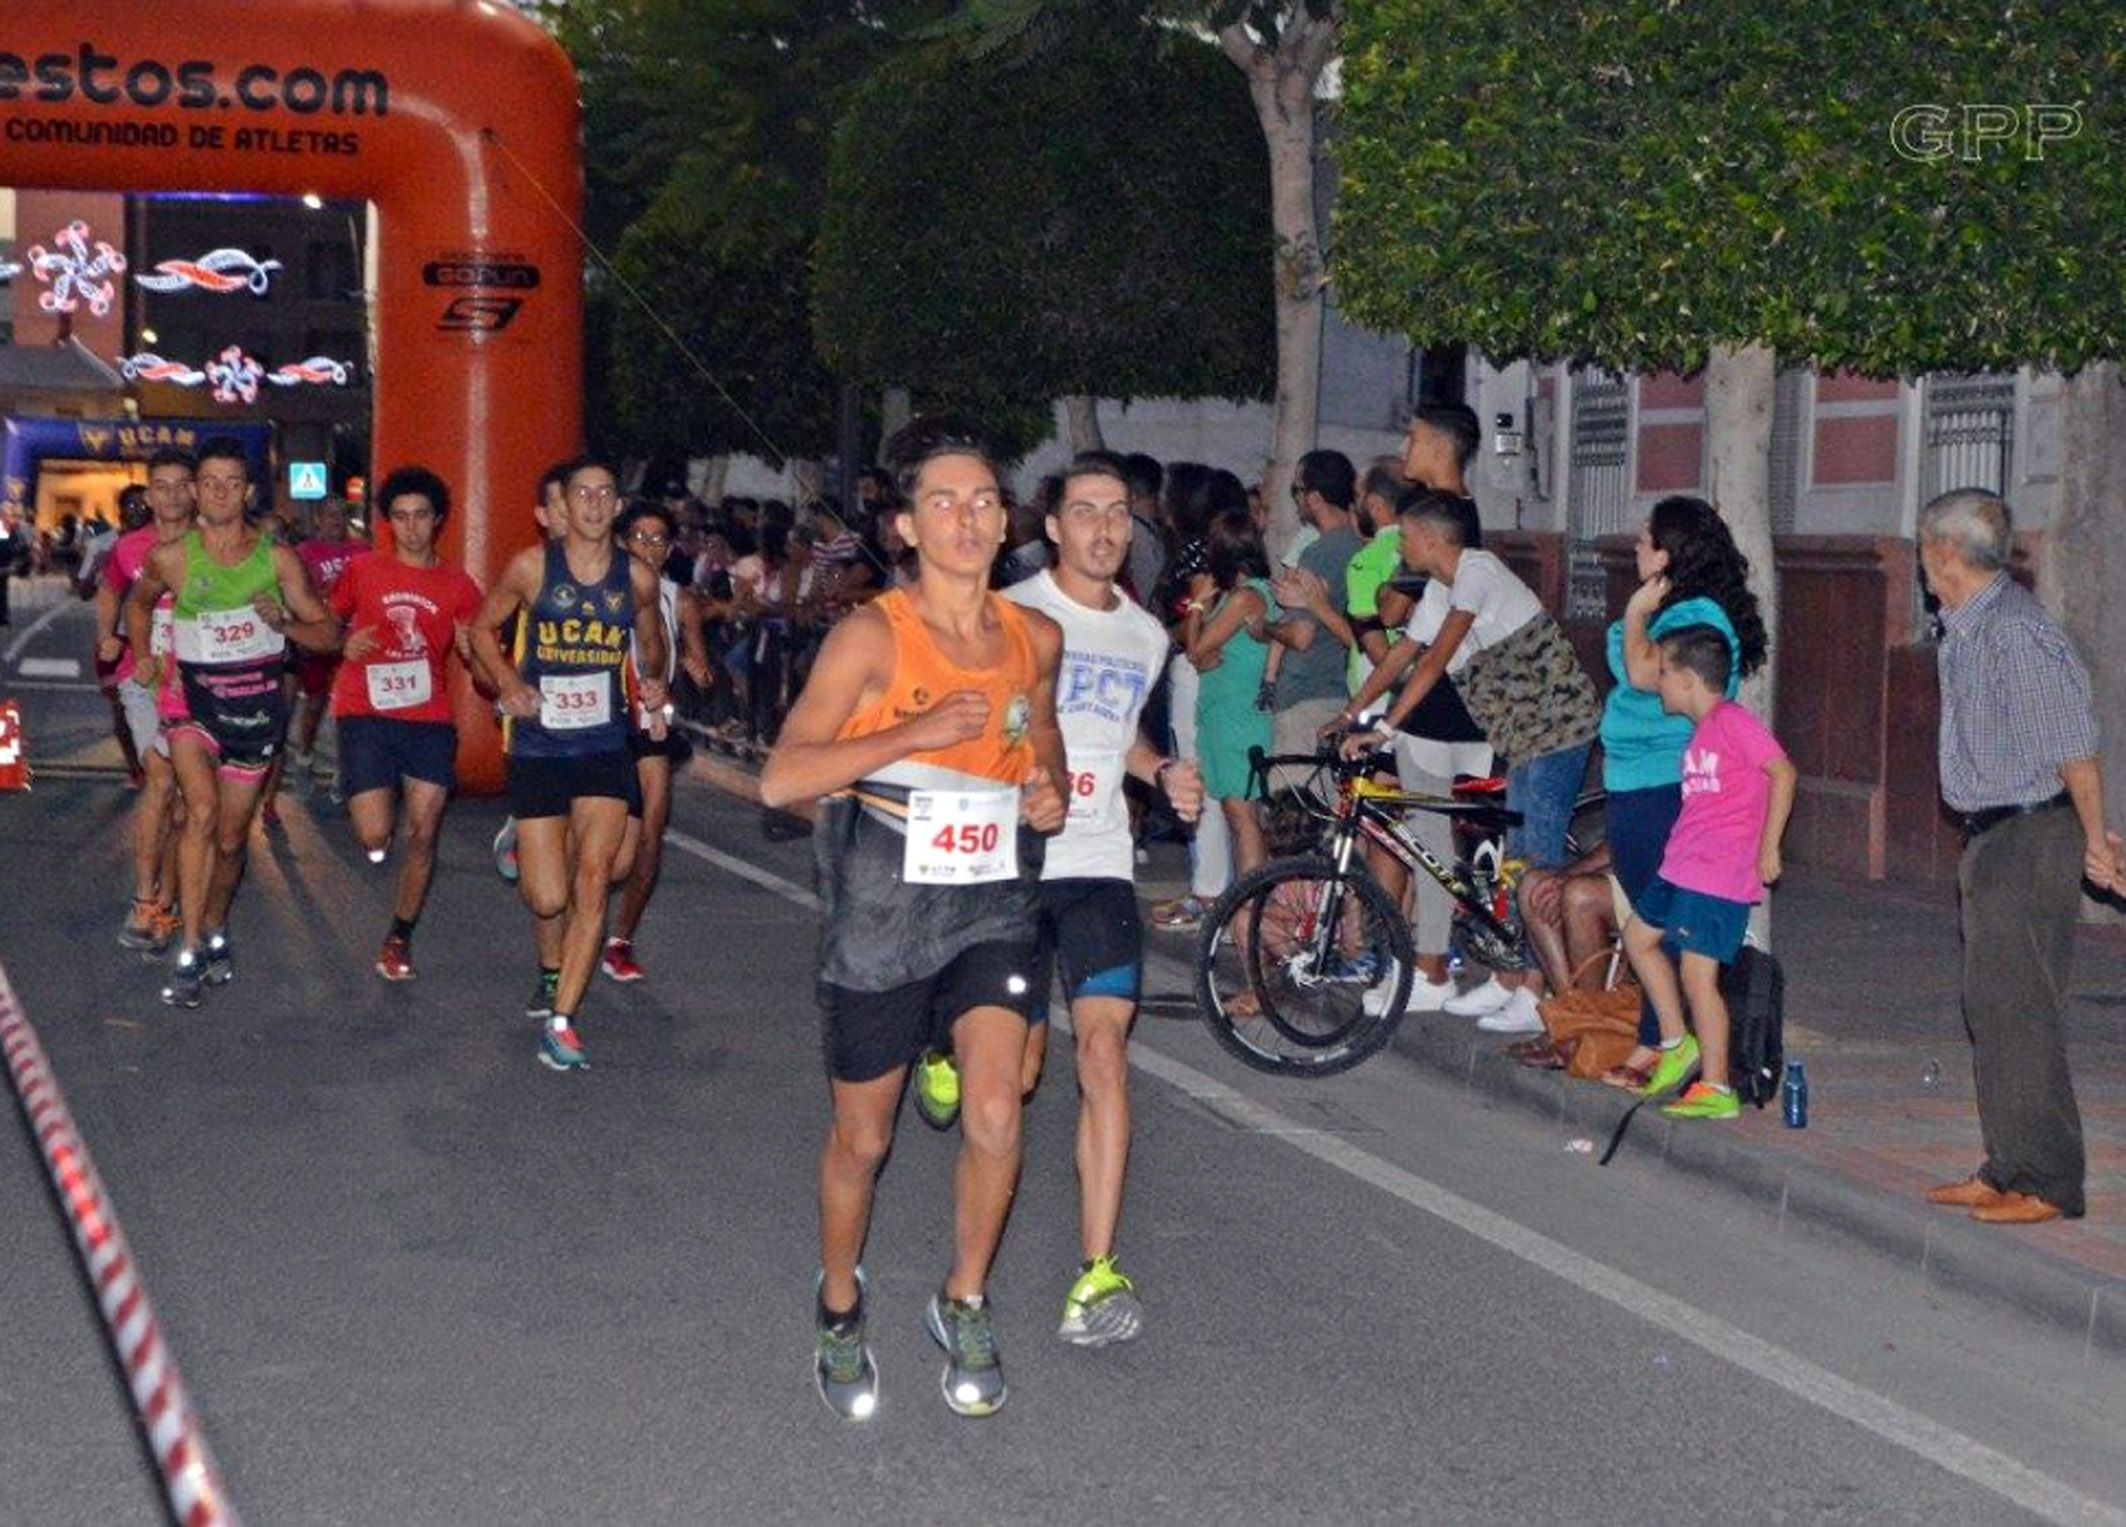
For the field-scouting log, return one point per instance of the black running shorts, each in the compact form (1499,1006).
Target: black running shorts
(674,745)
(239,710)
(376,754)
(869,1033)
(1092,930)
(548,787)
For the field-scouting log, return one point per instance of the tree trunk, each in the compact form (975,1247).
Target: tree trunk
(1740,388)
(2085,555)
(1083,412)
(1281,82)
(1296,420)
(895,408)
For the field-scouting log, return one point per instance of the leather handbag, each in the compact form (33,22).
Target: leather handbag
(1594,1028)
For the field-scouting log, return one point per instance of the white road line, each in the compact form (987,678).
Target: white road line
(29,632)
(788,890)
(49,668)
(1966,1457)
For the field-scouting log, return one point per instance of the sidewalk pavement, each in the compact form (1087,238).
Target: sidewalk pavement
(1871,1009)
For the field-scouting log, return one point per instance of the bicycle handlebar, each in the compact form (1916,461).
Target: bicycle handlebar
(1330,757)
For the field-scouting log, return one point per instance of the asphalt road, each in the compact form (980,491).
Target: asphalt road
(413,1277)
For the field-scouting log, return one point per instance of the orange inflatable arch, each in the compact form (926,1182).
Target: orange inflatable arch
(458,119)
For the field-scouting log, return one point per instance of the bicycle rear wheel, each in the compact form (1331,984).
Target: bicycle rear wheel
(1303,970)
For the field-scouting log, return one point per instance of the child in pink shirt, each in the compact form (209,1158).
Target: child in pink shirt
(1738,788)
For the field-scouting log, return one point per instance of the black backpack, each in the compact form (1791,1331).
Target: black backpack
(1755,990)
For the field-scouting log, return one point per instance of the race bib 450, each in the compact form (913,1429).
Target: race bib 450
(961,837)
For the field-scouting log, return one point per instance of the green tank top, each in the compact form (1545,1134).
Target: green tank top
(213,624)
(210,586)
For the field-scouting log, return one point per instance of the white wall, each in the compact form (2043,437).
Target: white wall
(1503,485)
(1220,434)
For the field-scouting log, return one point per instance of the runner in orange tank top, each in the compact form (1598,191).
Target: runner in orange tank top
(929,727)
(1002,751)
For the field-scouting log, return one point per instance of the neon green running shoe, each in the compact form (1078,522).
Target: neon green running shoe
(1670,1067)
(937,1090)
(1101,1307)
(1704,1101)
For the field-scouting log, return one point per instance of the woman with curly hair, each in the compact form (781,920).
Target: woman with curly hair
(1690,573)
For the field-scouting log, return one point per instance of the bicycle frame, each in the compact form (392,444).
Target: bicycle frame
(1364,808)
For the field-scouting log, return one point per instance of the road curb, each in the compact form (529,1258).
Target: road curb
(1945,1249)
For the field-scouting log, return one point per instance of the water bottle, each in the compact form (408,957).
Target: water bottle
(1795,1095)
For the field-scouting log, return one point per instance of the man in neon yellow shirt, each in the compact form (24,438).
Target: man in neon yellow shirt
(1367,574)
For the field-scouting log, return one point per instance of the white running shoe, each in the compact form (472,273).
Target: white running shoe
(1518,1016)
(1479,1000)
(1375,1001)
(1428,996)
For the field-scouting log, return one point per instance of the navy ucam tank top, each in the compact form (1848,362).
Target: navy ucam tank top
(573,648)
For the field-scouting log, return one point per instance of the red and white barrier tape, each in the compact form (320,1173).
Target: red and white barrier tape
(190,1479)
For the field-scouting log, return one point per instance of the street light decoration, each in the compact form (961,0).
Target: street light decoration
(234,375)
(318,371)
(149,367)
(77,271)
(216,271)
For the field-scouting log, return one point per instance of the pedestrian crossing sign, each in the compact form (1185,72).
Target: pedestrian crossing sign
(306,479)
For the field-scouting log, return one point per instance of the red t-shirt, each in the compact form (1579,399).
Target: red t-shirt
(415,612)
(327,561)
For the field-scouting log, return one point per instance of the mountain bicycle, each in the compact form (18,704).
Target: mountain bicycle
(1304,964)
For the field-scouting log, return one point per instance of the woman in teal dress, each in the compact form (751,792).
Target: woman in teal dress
(1226,614)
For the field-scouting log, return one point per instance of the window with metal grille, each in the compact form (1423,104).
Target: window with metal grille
(1970,433)
(1597,485)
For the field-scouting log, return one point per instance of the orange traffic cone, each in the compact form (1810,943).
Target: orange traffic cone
(14,752)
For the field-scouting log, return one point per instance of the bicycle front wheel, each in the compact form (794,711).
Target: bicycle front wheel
(1303,970)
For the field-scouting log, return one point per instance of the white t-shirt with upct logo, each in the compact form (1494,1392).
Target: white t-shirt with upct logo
(1111,659)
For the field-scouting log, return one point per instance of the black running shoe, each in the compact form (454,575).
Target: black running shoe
(185,984)
(220,967)
(541,1006)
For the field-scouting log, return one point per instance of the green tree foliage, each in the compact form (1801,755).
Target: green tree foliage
(1633,182)
(706,127)
(1281,49)
(1091,221)
(733,290)
(691,91)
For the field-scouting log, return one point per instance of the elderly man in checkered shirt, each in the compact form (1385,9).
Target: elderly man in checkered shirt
(2019,765)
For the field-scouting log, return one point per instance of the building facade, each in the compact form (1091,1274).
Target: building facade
(1853,461)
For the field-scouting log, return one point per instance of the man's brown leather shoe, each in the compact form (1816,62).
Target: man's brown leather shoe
(1972,1193)
(2016,1209)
